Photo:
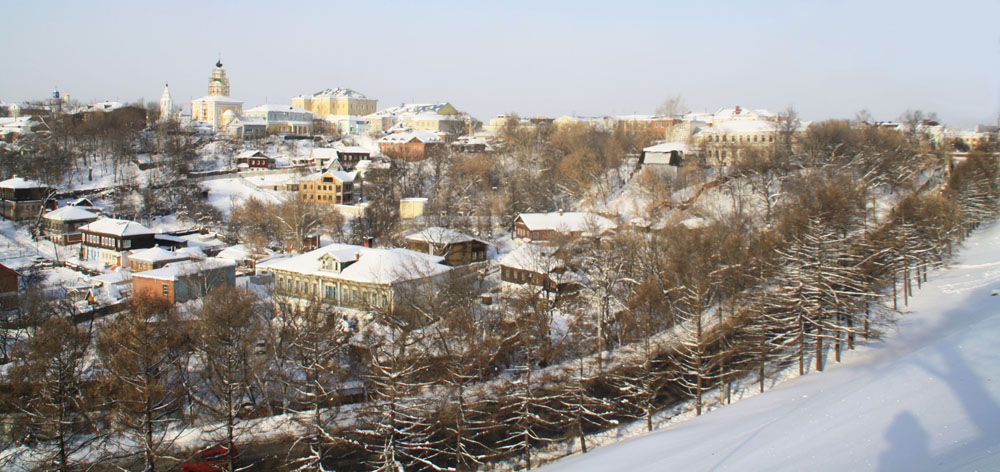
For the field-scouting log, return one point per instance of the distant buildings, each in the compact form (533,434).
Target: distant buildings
(285,119)
(436,117)
(337,102)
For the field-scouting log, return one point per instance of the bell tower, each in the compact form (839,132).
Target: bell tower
(218,84)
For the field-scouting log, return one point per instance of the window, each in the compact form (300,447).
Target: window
(166,289)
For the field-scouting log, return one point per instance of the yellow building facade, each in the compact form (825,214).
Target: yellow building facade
(341,101)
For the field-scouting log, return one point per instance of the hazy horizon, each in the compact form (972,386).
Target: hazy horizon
(826,59)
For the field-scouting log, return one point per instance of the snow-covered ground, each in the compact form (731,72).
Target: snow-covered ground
(927,398)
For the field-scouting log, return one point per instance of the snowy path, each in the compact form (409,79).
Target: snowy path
(928,398)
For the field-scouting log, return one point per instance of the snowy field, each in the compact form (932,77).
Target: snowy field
(927,398)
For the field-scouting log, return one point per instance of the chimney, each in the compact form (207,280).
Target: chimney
(737,110)
(357,256)
(560,212)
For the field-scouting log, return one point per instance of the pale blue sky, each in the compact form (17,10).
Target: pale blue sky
(827,59)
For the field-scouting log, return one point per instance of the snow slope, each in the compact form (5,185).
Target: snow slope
(927,398)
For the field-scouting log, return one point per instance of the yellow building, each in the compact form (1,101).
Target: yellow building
(212,107)
(721,143)
(340,101)
(330,187)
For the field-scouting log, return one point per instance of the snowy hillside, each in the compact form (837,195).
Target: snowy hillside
(927,398)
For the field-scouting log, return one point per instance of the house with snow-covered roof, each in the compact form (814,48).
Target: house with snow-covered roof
(331,187)
(354,277)
(537,266)
(62,226)
(156,257)
(22,198)
(411,145)
(106,239)
(549,226)
(254,159)
(667,154)
(457,247)
(178,282)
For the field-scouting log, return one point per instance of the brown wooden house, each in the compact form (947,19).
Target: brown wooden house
(22,199)
(457,248)
(62,226)
(546,227)
(254,160)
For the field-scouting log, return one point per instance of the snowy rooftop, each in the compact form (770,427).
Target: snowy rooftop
(275,107)
(405,137)
(339,175)
(743,126)
(156,254)
(565,222)
(70,213)
(530,257)
(176,270)
(251,153)
(117,227)
(438,235)
(20,183)
(337,93)
(667,147)
(374,265)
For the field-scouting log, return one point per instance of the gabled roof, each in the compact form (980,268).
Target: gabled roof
(70,213)
(565,222)
(530,257)
(156,254)
(117,227)
(374,265)
(423,136)
(438,235)
(252,153)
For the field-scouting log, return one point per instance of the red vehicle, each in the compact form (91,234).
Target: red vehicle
(213,459)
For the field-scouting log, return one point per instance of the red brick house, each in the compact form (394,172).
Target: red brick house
(411,145)
(178,282)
